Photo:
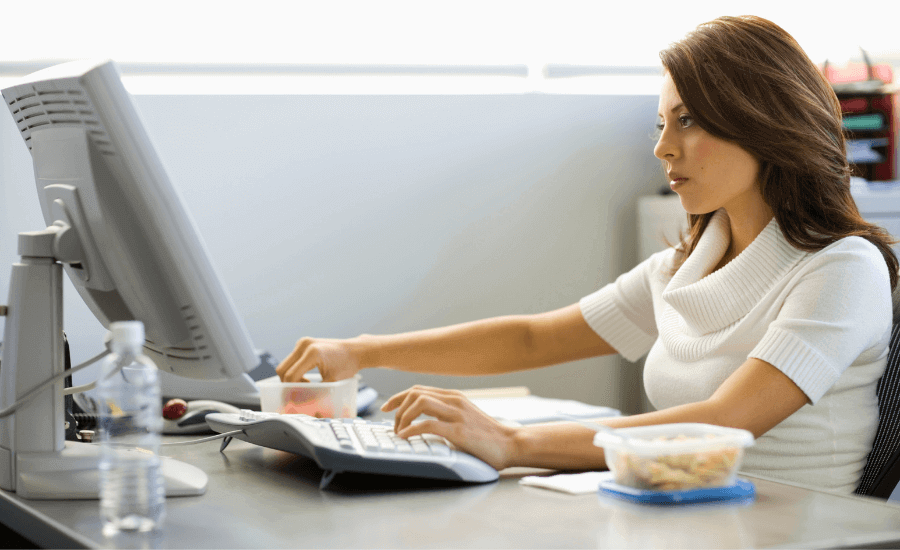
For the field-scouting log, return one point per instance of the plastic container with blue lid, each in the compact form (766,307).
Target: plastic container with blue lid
(674,457)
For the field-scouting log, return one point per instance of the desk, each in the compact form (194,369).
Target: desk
(261,498)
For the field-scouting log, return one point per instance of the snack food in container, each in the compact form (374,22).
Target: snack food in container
(315,398)
(674,457)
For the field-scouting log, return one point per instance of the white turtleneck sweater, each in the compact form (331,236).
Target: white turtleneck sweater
(822,318)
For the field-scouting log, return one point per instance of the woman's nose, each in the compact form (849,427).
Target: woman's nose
(666,148)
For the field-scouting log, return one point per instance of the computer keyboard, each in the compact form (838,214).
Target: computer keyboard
(353,445)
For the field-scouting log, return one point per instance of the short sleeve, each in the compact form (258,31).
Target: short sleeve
(622,312)
(839,308)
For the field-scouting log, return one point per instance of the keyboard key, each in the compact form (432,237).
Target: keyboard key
(339,431)
(439,449)
(437,445)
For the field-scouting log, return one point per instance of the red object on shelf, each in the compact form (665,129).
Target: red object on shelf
(854,105)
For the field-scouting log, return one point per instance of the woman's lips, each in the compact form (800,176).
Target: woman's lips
(677,182)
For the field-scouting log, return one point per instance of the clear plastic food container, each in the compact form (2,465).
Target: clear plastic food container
(674,457)
(315,398)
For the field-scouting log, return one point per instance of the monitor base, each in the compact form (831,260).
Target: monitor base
(73,473)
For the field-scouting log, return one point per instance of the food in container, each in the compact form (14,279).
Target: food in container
(674,457)
(315,398)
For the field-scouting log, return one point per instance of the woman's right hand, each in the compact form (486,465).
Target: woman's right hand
(335,360)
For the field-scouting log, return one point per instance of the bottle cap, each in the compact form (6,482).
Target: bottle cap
(127,333)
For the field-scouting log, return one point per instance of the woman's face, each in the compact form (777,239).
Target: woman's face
(707,172)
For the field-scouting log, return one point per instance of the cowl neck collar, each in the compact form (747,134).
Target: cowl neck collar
(700,302)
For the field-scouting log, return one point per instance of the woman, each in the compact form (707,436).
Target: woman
(772,314)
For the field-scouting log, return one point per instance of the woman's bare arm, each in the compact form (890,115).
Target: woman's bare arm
(756,397)
(490,346)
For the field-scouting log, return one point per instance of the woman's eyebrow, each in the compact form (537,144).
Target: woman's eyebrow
(675,108)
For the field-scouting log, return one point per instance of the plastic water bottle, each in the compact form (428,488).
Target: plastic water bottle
(132,490)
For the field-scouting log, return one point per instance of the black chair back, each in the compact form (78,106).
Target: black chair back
(882,471)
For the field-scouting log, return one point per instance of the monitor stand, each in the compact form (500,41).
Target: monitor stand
(35,459)
(73,473)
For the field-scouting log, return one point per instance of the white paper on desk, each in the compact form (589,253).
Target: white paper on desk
(574,484)
(531,409)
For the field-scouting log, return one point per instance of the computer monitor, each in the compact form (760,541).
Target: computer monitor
(121,232)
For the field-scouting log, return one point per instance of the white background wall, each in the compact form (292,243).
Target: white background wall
(333,215)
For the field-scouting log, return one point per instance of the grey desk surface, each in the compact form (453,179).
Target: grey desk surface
(261,498)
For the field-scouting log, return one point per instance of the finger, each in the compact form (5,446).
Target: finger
(404,400)
(435,427)
(395,400)
(429,405)
(407,399)
(297,372)
(452,397)
(288,362)
(284,371)
(292,372)
(405,409)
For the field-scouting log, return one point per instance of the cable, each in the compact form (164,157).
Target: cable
(90,361)
(79,389)
(203,440)
(191,442)
(49,382)
(85,387)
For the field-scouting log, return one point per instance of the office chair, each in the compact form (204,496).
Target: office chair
(882,471)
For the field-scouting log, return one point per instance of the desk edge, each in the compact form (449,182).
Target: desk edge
(39,528)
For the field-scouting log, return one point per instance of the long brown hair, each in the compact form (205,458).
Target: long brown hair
(744,79)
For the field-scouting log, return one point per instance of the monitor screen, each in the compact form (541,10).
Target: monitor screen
(140,254)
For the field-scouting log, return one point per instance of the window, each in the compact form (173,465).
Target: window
(382,46)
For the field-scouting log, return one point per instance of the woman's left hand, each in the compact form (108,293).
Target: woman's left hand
(456,419)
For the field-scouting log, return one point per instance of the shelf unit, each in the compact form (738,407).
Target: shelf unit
(870,125)
(870,108)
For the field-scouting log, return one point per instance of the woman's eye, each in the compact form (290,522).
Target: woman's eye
(686,121)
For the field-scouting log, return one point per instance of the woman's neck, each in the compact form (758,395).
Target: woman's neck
(746,224)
